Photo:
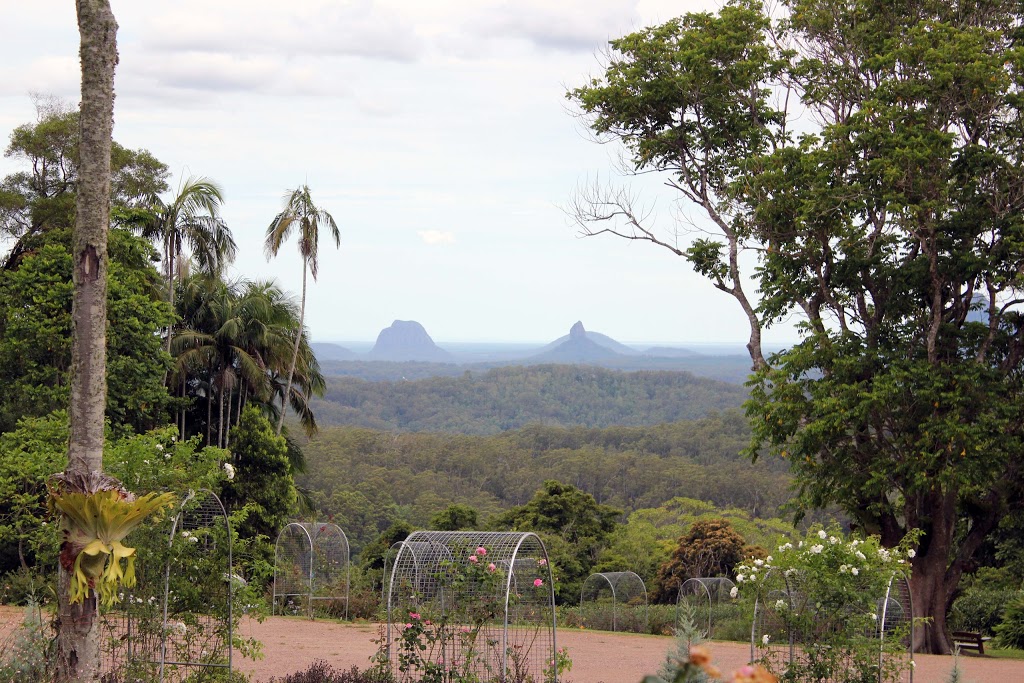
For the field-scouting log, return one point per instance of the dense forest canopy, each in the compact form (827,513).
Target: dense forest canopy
(512,397)
(369,479)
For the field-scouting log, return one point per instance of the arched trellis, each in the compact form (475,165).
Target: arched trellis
(311,563)
(773,641)
(198,619)
(482,603)
(426,557)
(703,595)
(626,588)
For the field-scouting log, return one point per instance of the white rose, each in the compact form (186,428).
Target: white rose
(734,592)
(854,571)
(765,639)
(816,549)
(911,553)
(822,535)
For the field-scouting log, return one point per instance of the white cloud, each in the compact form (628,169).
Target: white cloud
(436,237)
(359,28)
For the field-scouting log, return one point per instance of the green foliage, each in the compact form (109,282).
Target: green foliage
(367,480)
(885,226)
(711,548)
(322,672)
(262,479)
(35,333)
(455,517)
(824,594)
(574,528)
(980,609)
(513,397)
(1010,631)
(28,456)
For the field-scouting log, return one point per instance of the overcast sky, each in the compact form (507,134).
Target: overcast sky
(435,131)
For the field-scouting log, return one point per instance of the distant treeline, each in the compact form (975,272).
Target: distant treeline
(512,397)
(734,369)
(367,480)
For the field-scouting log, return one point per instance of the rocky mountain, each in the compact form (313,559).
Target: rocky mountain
(578,346)
(406,340)
(596,337)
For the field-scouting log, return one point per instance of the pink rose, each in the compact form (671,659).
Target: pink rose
(542,562)
(472,558)
(481,551)
(538,583)
(414,615)
(491,567)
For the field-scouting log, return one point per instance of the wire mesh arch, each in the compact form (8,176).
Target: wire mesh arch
(194,638)
(704,598)
(481,602)
(625,590)
(311,563)
(427,557)
(775,641)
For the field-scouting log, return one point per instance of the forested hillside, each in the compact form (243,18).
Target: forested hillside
(368,479)
(512,397)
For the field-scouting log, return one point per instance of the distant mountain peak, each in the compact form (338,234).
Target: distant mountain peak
(407,340)
(577,330)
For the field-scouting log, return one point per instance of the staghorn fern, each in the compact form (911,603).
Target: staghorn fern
(97,512)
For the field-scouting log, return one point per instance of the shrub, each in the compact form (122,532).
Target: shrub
(322,672)
(1010,631)
(979,609)
(23,657)
(27,586)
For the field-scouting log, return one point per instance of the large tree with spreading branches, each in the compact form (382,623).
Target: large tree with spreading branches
(858,167)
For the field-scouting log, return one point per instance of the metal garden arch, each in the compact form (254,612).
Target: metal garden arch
(703,595)
(311,563)
(198,610)
(782,646)
(481,602)
(626,588)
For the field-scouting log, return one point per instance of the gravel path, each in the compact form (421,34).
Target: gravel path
(291,644)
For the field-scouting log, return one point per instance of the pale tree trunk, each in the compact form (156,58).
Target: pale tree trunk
(295,351)
(78,636)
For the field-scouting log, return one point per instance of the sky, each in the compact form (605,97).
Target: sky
(436,132)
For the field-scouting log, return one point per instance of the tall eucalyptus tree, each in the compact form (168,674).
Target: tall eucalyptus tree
(299,215)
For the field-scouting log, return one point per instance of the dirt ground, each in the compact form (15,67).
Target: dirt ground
(291,644)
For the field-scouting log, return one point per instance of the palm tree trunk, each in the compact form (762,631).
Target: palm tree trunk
(295,352)
(78,635)
(209,412)
(220,417)
(181,410)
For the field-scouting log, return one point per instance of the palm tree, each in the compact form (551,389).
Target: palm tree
(192,219)
(234,345)
(302,215)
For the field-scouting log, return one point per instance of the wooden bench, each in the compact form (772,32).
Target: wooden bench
(968,640)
